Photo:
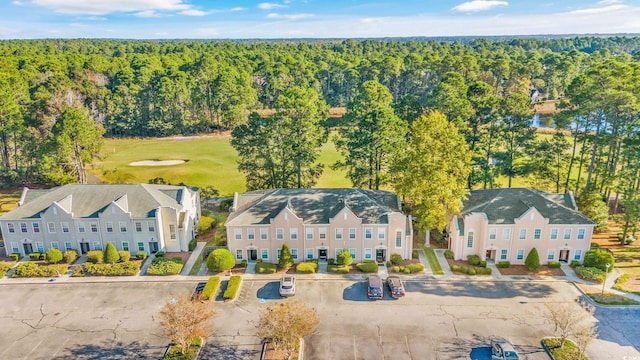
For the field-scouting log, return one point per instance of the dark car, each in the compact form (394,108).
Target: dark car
(374,288)
(198,290)
(501,349)
(396,289)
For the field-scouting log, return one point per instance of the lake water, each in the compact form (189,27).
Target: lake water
(543,121)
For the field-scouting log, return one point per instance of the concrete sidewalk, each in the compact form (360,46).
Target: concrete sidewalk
(423,259)
(197,252)
(444,265)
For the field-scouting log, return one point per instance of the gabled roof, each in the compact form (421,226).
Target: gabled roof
(503,206)
(84,201)
(314,206)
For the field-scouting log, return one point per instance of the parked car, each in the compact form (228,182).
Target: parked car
(501,349)
(396,289)
(198,290)
(374,288)
(287,285)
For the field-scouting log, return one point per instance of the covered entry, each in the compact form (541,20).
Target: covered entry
(252,254)
(28,248)
(564,255)
(491,255)
(381,255)
(322,254)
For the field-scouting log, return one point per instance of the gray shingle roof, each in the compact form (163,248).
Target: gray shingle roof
(89,200)
(502,206)
(314,206)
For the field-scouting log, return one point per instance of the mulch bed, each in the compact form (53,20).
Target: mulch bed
(236,270)
(522,270)
(184,255)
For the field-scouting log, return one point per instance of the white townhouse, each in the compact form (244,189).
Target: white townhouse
(318,224)
(505,224)
(141,217)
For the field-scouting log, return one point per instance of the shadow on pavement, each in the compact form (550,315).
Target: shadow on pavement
(482,289)
(618,325)
(223,286)
(113,350)
(270,291)
(356,292)
(480,353)
(229,351)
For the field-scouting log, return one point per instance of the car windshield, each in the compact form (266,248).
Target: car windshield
(511,355)
(286,287)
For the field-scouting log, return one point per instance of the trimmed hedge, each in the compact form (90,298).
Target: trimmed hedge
(307,267)
(415,254)
(128,268)
(111,254)
(220,260)
(192,244)
(414,268)
(124,255)
(396,259)
(70,256)
(15,256)
(367,267)
(336,269)
(471,270)
(29,269)
(163,266)
(590,273)
(34,256)
(574,263)
(95,256)
(599,258)
(4,267)
(159,254)
(54,256)
(473,260)
(266,268)
(232,287)
(345,258)
(533,260)
(448,254)
(210,288)
(554,265)
(504,264)
(141,255)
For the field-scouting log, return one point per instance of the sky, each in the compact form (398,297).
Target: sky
(242,19)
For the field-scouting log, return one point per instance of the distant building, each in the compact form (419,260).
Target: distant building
(318,224)
(85,217)
(505,224)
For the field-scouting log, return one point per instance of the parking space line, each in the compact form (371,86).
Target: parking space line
(34,349)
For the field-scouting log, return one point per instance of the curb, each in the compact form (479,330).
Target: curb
(546,348)
(604,306)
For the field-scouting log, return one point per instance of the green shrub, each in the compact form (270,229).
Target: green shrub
(407,270)
(220,260)
(111,254)
(206,223)
(448,254)
(210,288)
(455,268)
(590,273)
(395,269)
(266,268)
(54,255)
(464,269)
(370,262)
(554,265)
(258,261)
(367,267)
(232,287)
(243,263)
(159,254)
(128,268)
(473,260)
(396,259)
(599,258)
(533,260)
(43,256)
(504,264)
(141,255)
(4,267)
(338,269)
(307,267)
(124,255)
(165,266)
(388,264)
(414,268)
(483,264)
(344,258)
(415,254)
(95,256)
(574,263)
(34,256)
(331,262)
(472,271)
(70,256)
(286,260)
(15,256)
(192,244)
(487,271)
(29,269)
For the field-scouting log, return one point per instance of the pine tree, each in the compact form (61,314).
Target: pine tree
(286,260)
(111,254)
(533,260)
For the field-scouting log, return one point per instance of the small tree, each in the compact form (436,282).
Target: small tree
(220,260)
(54,255)
(344,258)
(285,323)
(599,258)
(111,255)
(184,320)
(533,260)
(567,318)
(583,335)
(286,260)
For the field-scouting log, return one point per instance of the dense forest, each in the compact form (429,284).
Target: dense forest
(58,98)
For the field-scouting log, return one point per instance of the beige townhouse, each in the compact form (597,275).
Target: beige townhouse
(141,217)
(505,224)
(318,224)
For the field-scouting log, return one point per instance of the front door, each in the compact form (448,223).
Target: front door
(84,247)
(253,254)
(322,254)
(28,248)
(491,255)
(380,255)
(564,255)
(153,246)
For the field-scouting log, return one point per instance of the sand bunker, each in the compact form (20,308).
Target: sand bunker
(157,162)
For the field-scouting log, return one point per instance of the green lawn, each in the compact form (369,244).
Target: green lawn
(628,259)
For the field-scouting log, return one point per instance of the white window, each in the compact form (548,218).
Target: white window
(520,254)
(537,234)
(109,226)
(581,234)
(506,234)
(352,233)
(152,226)
(65,227)
(51,227)
(309,234)
(567,234)
(381,233)
(503,254)
(338,233)
(125,245)
(251,234)
(23,227)
(322,233)
(493,233)
(551,255)
(11,228)
(398,239)
(470,239)
(172,231)
(239,254)
(123,226)
(237,234)
(264,234)
(338,251)
(264,254)
(140,246)
(278,253)
(14,247)
(523,234)
(94,227)
(40,247)
(293,233)
(97,245)
(367,254)
(352,251)
(294,253)
(67,245)
(55,245)
(81,227)
(309,254)
(577,255)
(368,233)
(554,234)
(138,226)
(279,234)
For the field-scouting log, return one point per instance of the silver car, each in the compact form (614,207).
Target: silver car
(501,349)
(287,285)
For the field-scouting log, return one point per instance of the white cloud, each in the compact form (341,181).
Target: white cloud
(18,3)
(479,5)
(238,8)
(103,7)
(598,10)
(147,14)
(270,6)
(288,16)
(193,12)
(606,2)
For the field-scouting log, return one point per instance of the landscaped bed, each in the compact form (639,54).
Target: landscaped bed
(568,352)
(608,298)
(515,270)
(459,264)
(4,267)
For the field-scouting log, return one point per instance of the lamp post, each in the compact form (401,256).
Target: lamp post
(605,278)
